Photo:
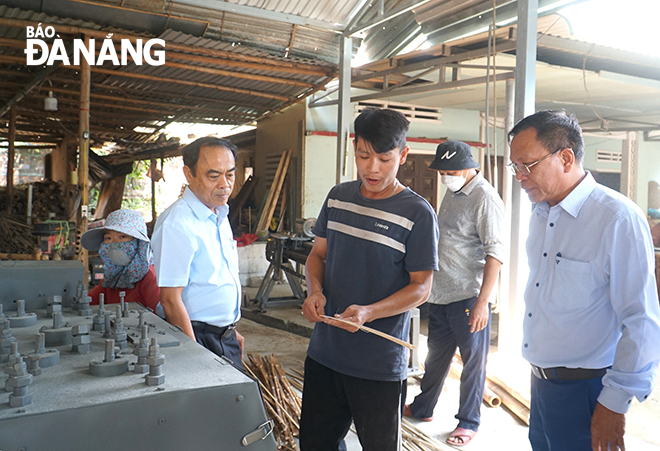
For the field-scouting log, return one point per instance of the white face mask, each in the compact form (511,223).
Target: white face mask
(119,257)
(453,182)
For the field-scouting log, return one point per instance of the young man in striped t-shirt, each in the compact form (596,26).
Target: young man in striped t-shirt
(372,262)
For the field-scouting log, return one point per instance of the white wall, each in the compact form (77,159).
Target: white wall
(456,124)
(648,169)
(319,171)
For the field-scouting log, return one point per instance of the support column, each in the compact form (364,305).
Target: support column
(153,191)
(629,156)
(520,206)
(83,154)
(507,307)
(11,156)
(344,116)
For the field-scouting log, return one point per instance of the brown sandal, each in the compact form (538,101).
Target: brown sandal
(461,436)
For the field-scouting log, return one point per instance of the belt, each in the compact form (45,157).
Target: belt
(203,327)
(567,374)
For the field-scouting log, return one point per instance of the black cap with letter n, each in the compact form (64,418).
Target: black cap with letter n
(453,156)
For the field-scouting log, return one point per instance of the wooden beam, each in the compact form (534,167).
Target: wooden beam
(118,73)
(226,73)
(293,36)
(38,78)
(130,99)
(250,92)
(17,43)
(69,29)
(83,152)
(131,92)
(10,158)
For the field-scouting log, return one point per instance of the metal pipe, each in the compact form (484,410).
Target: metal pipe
(29,203)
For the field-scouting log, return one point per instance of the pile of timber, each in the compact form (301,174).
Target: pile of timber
(282,402)
(16,238)
(273,196)
(47,197)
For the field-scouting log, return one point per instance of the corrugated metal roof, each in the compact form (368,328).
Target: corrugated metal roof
(183,90)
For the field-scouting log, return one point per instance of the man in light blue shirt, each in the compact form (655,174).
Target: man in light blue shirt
(195,255)
(591,329)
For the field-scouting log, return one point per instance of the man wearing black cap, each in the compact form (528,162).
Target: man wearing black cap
(470,253)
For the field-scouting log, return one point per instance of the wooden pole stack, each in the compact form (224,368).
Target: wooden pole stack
(274,193)
(282,402)
(16,240)
(412,439)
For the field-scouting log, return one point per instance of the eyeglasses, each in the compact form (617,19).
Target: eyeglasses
(526,168)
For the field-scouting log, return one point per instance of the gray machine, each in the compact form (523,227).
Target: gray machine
(161,391)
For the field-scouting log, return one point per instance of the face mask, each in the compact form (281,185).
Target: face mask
(119,254)
(452,182)
(118,257)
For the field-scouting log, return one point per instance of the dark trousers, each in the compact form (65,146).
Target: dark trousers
(221,341)
(331,400)
(560,414)
(449,328)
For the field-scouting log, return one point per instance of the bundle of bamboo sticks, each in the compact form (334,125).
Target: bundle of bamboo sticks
(282,402)
(47,197)
(413,439)
(16,236)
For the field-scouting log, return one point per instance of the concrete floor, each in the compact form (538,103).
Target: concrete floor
(285,334)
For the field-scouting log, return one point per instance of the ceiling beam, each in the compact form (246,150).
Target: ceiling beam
(131,100)
(119,73)
(69,29)
(209,70)
(419,89)
(423,65)
(389,16)
(38,78)
(260,13)
(480,21)
(132,93)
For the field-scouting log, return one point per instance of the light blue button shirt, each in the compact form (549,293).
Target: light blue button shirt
(591,299)
(194,248)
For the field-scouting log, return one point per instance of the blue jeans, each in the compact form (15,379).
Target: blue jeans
(449,328)
(560,414)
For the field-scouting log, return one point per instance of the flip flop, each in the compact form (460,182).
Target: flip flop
(461,436)
(408,413)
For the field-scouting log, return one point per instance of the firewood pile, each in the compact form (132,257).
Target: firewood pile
(47,197)
(16,236)
(282,402)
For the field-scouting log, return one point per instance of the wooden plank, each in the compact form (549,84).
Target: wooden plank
(274,193)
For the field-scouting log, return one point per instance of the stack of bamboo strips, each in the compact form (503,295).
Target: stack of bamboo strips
(282,402)
(412,439)
(274,192)
(16,238)
(47,197)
